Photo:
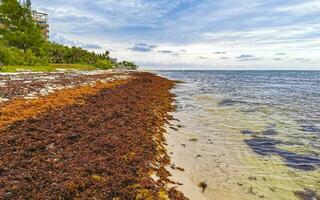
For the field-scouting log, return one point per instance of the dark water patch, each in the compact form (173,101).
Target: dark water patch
(300,161)
(249,110)
(307,195)
(247,132)
(262,145)
(269,131)
(229,102)
(311,128)
(267,146)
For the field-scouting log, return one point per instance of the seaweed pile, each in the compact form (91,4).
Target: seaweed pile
(36,84)
(106,147)
(21,108)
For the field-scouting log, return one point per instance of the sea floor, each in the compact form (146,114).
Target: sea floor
(242,155)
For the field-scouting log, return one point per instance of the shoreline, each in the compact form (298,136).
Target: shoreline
(189,187)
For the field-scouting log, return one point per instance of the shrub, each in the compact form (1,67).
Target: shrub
(128,65)
(104,64)
(14,56)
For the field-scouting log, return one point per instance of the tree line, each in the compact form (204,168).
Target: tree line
(22,42)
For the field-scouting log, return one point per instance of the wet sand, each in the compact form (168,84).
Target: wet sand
(180,159)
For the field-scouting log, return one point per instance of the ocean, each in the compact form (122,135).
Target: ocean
(250,134)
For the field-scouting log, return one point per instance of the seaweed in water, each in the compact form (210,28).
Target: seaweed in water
(262,145)
(307,195)
(247,132)
(228,102)
(269,131)
(266,146)
(310,128)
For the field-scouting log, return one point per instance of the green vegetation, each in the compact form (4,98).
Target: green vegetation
(105,64)
(23,47)
(46,68)
(128,65)
(15,68)
(73,67)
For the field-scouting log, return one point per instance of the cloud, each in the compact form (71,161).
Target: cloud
(280,54)
(303,59)
(63,40)
(303,8)
(277,59)
(247,57)
(261,28)
(220,52)
(91,46)
(58,38)
(202,57)
(166,51)
(224,58)
(143,47)
(244,56)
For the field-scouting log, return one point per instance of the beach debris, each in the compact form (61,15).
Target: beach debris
(240,184)
(193,140)
(198,156)
(252,178)
(251,191)
(180,169)
(184,145)
(173,166)
(32,85)
(173,128)
(203,185)
(273,189)
(180,126)
(175,119)
(96,177)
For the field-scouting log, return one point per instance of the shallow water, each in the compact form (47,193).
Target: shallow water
(257,132)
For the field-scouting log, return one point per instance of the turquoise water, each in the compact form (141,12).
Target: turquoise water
(266,123)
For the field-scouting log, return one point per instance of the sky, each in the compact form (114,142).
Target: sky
(192,34)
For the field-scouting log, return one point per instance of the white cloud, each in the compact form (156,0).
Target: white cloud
(184,32)
(303,8)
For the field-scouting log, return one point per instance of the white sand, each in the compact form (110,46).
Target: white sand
(190,187)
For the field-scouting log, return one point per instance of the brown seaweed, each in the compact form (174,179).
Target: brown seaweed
(105,147)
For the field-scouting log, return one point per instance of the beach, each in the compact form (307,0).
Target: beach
(80,136)
(138,135)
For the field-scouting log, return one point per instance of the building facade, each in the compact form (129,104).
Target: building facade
(42,20)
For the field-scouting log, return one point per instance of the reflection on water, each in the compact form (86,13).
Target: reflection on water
(258,132)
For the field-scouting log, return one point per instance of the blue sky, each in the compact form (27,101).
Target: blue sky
(192,34)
